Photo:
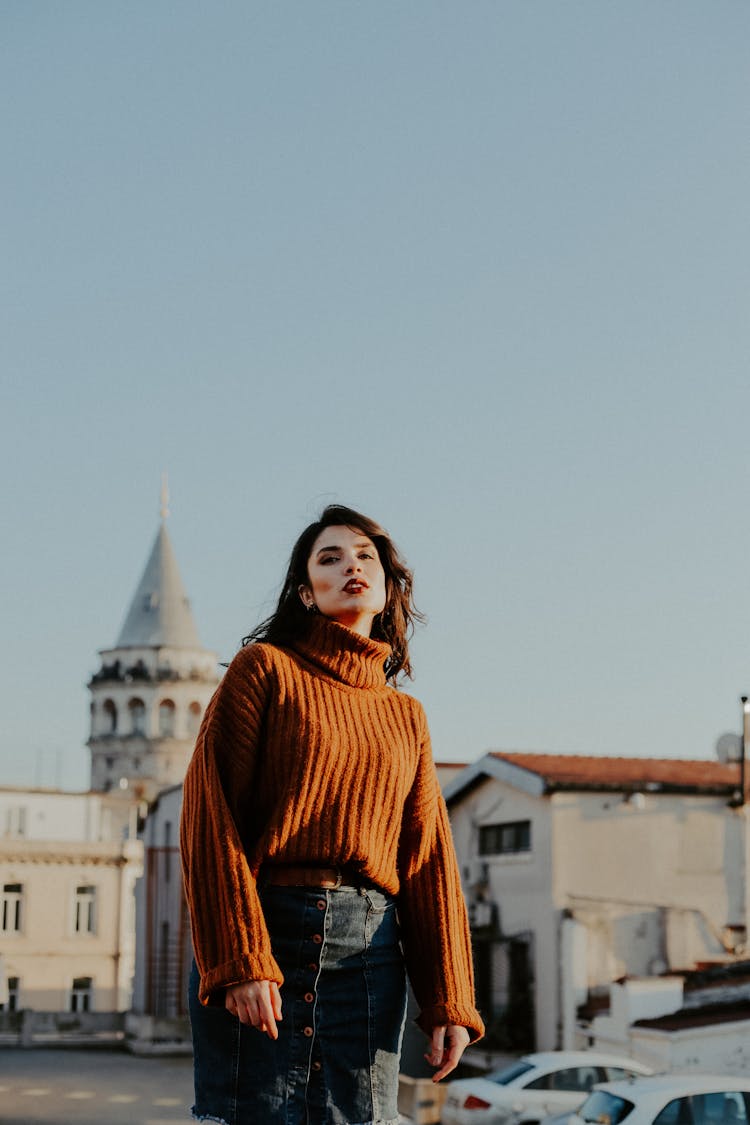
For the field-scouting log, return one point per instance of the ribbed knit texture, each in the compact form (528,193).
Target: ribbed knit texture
(308,756)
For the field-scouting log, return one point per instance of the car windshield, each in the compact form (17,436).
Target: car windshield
(604,1108)
(508,1073)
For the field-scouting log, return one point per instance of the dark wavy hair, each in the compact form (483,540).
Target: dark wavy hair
(395,625)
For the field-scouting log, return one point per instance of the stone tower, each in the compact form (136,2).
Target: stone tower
(151,690)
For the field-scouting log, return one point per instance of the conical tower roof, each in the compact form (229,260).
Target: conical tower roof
(160,613)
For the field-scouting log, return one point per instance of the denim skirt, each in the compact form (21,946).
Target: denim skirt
(336,1060)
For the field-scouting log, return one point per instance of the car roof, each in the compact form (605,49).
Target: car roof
(675,1084)
(580,1058)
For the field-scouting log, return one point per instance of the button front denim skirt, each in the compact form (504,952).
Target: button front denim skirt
(336,1060)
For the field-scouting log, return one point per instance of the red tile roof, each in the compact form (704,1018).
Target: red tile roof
(574,771)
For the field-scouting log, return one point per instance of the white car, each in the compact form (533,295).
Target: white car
(669,1099)
(535,1086)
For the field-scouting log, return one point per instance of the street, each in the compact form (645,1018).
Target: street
(59,1086)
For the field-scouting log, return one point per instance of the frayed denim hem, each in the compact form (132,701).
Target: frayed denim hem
(208,1117)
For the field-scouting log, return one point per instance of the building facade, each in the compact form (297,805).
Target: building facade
(68,867)
(164,950)
(579,871)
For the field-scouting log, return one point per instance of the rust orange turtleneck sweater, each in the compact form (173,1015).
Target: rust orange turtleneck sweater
(306,755)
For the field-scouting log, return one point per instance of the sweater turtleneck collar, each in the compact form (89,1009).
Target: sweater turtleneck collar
(343,654)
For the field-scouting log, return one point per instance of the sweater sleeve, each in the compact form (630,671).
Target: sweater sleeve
(230,938)
(432,911)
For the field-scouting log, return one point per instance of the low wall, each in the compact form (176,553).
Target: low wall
(36,1029)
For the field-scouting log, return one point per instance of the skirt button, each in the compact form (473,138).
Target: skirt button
(315,1065)
(317,938)
(321,904)
(309,997)
(307,1031)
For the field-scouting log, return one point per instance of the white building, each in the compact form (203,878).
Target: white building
(582,870)
(68,866)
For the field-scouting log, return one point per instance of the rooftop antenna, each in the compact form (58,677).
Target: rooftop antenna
(164,499)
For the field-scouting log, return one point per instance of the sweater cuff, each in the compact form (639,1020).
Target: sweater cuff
(440,1015)
(260,966)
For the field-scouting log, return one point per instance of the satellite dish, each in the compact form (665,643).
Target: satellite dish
(728,747)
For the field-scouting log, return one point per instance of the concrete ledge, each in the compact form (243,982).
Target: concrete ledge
(420,1099)
(157,1035)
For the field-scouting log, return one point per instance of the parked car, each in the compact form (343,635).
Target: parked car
(535,1086)
(669,1099)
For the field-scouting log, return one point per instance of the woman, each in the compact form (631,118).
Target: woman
(317,855)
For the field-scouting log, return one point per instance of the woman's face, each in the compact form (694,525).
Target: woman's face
(346,580)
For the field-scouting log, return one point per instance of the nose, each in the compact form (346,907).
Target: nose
(353,565)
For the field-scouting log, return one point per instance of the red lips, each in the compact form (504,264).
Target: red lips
(355,584)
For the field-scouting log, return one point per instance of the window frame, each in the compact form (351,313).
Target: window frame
(506,838)
(12,902)
(85,901)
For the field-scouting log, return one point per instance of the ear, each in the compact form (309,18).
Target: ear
(306,596)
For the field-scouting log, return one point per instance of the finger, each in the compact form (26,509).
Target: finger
(456,1046)
(266,1019)
(435,1054)
(276,1001)
(247,1011)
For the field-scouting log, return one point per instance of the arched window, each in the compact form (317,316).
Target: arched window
(137,709)
(194,718)
(166,718)
(109,717)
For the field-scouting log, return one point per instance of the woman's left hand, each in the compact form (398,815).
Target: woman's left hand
(448,1044)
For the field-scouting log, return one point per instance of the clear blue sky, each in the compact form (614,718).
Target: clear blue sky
(480,269)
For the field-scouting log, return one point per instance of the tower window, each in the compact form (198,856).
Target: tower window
(109,712)
(137,709)
(166,718)
(194,718)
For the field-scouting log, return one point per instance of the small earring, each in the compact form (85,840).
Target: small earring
(311,607)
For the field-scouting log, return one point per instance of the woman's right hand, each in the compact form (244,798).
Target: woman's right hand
(257,1002)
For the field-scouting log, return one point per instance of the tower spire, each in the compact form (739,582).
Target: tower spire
(164,497)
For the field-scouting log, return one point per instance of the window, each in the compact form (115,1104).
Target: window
(601,1106)
(12,908)
(576,1079)
(508,1073)
(80,995)
(166,718)
(84,916)
(720,1108)
(194,718)
(110,717)
(678,1112)
(14,988)
(137,709)
(615,1073)
(15,821)
(505,839)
